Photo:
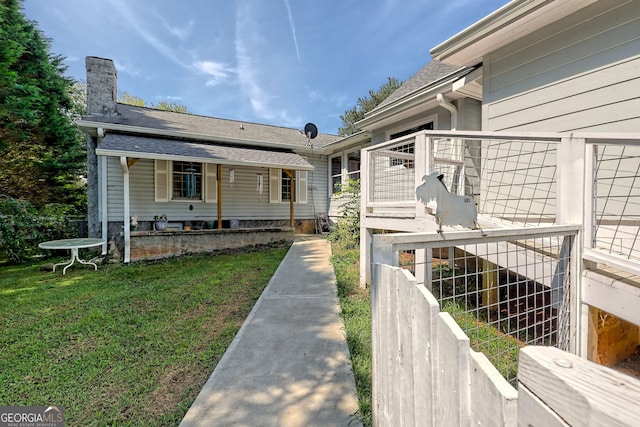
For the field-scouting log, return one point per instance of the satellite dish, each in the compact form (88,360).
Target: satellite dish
(310,130)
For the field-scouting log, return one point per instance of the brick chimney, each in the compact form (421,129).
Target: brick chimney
(102,87)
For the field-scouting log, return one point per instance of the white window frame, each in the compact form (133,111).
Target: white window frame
(186,199)
(163,183)
(275,187)
(341,156)
(344,168)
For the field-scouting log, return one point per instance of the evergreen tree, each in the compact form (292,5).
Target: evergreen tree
(41,150)
(366,104)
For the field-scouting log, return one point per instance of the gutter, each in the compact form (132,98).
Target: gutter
(348,141)
(156,156)
(491,23)
(513,21)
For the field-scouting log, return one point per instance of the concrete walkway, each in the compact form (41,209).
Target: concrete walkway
(289,363)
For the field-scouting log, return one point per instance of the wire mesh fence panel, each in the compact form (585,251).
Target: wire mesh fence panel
(617,200)
(503,294)
(517,180)
(510,180)
(394,173)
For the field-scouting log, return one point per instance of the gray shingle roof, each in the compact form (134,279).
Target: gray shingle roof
(158,148)
(209,127)
(430,73)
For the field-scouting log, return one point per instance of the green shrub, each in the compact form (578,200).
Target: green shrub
(347,230)
(23,227)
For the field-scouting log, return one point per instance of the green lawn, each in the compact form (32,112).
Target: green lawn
(126,345)
(355,303)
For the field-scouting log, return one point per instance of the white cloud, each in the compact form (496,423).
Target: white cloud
(292,25)
(335,100)
(389,5)
(249,46)
(217,71)
(126,68)
(138,25)
(180,32)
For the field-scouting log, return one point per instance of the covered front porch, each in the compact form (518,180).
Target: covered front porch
(210,196)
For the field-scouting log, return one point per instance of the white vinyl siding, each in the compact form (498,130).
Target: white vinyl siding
(240,199)
(578,74)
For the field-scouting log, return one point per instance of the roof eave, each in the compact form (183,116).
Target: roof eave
(413,100)
(357,138)
(468,47)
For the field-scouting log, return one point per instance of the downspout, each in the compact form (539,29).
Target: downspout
(455,151)
(456,146)
(102,198)
(219,184)
(452,109)
(127,228)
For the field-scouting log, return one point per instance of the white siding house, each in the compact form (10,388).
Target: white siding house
(200,172)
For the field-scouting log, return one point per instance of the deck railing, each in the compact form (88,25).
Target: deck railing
(517,179)
(570,207)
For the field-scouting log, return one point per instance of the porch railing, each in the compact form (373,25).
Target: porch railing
(517,179)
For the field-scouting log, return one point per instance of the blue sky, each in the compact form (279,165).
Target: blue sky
(279,62)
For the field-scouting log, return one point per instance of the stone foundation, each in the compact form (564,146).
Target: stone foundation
(151,245)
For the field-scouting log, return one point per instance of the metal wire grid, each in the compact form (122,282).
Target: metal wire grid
(617,200)
(393,173)
(517,180)
(504,295)
(510,180)
(448,160)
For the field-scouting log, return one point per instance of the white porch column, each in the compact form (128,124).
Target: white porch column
(571,199)
(423,166)
(366,236)
(102,194)
(127,214)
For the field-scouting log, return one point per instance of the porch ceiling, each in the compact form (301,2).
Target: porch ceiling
(117,145)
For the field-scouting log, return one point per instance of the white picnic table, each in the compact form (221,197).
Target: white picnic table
(73,245)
